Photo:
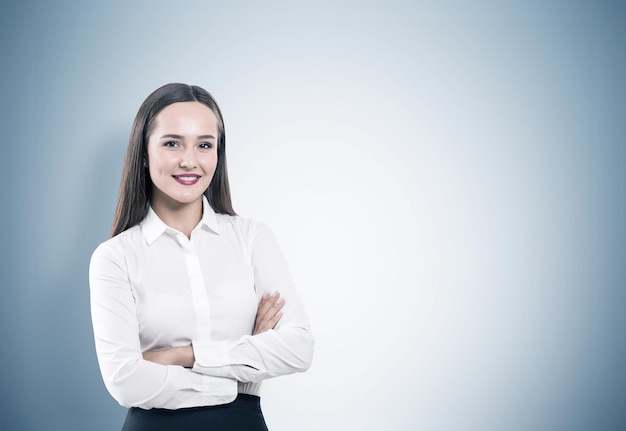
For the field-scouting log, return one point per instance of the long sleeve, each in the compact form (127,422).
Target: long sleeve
(286,349)
(131,380)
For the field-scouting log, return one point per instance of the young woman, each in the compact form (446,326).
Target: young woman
(192,305)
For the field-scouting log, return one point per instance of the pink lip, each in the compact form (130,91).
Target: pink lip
(186,181)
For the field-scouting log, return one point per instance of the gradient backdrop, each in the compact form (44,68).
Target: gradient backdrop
(446,178)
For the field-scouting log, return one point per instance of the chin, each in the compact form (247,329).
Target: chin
(189,200)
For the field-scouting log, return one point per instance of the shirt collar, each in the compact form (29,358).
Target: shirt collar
(153,227)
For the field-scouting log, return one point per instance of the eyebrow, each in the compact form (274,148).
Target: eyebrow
(181,137)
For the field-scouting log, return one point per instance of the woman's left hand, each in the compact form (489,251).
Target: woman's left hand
(182,356)
(268,313)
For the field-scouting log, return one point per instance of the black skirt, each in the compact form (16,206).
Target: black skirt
(243,414)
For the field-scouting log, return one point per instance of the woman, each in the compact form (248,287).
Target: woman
(192,305)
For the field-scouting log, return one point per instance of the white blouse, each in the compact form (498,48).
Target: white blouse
(153,288)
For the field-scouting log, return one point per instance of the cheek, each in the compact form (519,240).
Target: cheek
(159,168)
(211,163)
(159,162)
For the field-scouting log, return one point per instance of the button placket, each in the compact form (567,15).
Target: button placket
(199,294)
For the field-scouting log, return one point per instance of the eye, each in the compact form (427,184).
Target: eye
(206,145)
(170,144)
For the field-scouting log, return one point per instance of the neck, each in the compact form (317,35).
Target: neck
(182,217)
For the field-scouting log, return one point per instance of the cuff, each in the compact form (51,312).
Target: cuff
(212,353)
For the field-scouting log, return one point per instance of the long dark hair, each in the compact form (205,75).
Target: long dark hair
(136,186)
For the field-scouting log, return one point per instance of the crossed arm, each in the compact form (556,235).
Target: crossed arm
(267,316)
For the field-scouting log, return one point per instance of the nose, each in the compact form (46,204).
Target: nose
(188,159)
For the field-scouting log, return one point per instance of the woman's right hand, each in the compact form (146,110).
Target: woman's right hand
(182,356)
(268,314)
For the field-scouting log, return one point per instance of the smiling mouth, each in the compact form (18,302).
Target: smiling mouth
(187,180)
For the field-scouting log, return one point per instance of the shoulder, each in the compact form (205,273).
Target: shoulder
(114,248)
(249,229)
(238,223)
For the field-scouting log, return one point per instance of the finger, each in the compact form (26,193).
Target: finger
(272,316)
(274,305)
(266,304)
(266,301)
(268,324)
(269,309)
(273,321)
(278,305)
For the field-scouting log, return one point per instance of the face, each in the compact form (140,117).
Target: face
(182,154)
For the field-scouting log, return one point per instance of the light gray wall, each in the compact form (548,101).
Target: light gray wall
(446,180)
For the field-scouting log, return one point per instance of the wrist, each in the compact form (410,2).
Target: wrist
(185,356)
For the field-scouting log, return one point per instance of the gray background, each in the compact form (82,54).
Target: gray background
(446,179)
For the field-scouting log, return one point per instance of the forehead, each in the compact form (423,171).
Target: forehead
(190,116)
